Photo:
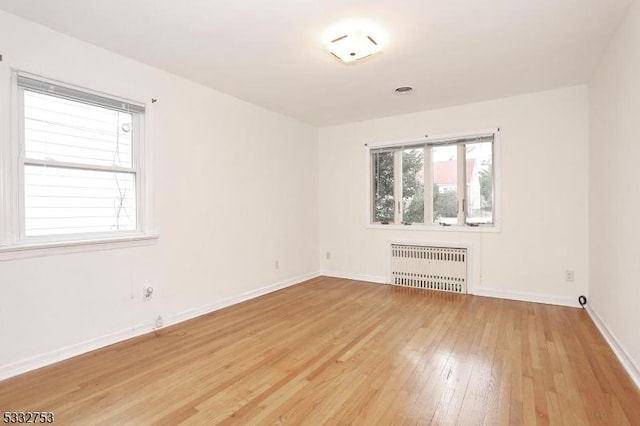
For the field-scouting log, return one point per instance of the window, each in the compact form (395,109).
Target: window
(446,181)
(77,165)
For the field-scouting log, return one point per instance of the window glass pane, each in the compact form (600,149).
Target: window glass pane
(69,201)
(444,161)
(413,185)
(383,202)
(479,193)
(71,131)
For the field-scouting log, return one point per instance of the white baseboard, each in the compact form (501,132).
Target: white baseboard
(39,361)
(356,277)
(525,297)
(203,310)
(487,292)
(627,362)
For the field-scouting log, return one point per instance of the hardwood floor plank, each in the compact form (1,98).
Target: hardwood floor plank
(335,351)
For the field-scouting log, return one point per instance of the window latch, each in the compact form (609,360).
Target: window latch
(464,206)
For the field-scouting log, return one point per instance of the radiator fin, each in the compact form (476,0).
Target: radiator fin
(432,268)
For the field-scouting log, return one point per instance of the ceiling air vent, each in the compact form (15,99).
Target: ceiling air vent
(404,89)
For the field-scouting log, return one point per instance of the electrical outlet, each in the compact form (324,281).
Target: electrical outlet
(159,322)
(277,264)
(569,275)
(328,255)
(147,292)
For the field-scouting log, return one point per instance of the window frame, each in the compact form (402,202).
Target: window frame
(14,243)
(428,184)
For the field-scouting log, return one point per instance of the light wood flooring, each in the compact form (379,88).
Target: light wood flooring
(334,351)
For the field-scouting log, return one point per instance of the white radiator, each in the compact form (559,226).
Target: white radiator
(432,268)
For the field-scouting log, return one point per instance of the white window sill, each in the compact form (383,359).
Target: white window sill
(38,249)
(435,228)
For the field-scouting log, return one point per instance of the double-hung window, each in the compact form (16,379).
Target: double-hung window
(444,181)
(77,169)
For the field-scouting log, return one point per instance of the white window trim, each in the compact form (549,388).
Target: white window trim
(13,245)
(497,187)
(26,250)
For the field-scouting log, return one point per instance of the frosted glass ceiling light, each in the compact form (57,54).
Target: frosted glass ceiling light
(353,46)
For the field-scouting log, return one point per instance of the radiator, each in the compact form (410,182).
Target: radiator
(432,268)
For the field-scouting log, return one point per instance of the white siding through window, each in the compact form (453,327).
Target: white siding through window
(79,167)
(69,201)
(71,131)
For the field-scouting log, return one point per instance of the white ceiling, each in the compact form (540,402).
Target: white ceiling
(270,52)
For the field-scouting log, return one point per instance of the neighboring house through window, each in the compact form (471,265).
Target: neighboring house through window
(445,181)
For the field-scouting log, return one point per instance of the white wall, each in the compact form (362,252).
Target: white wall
(235,189)
(544,195)
(614,205)
(239,187)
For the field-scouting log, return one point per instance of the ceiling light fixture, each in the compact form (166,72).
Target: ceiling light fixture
(353,40)
(353,46)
